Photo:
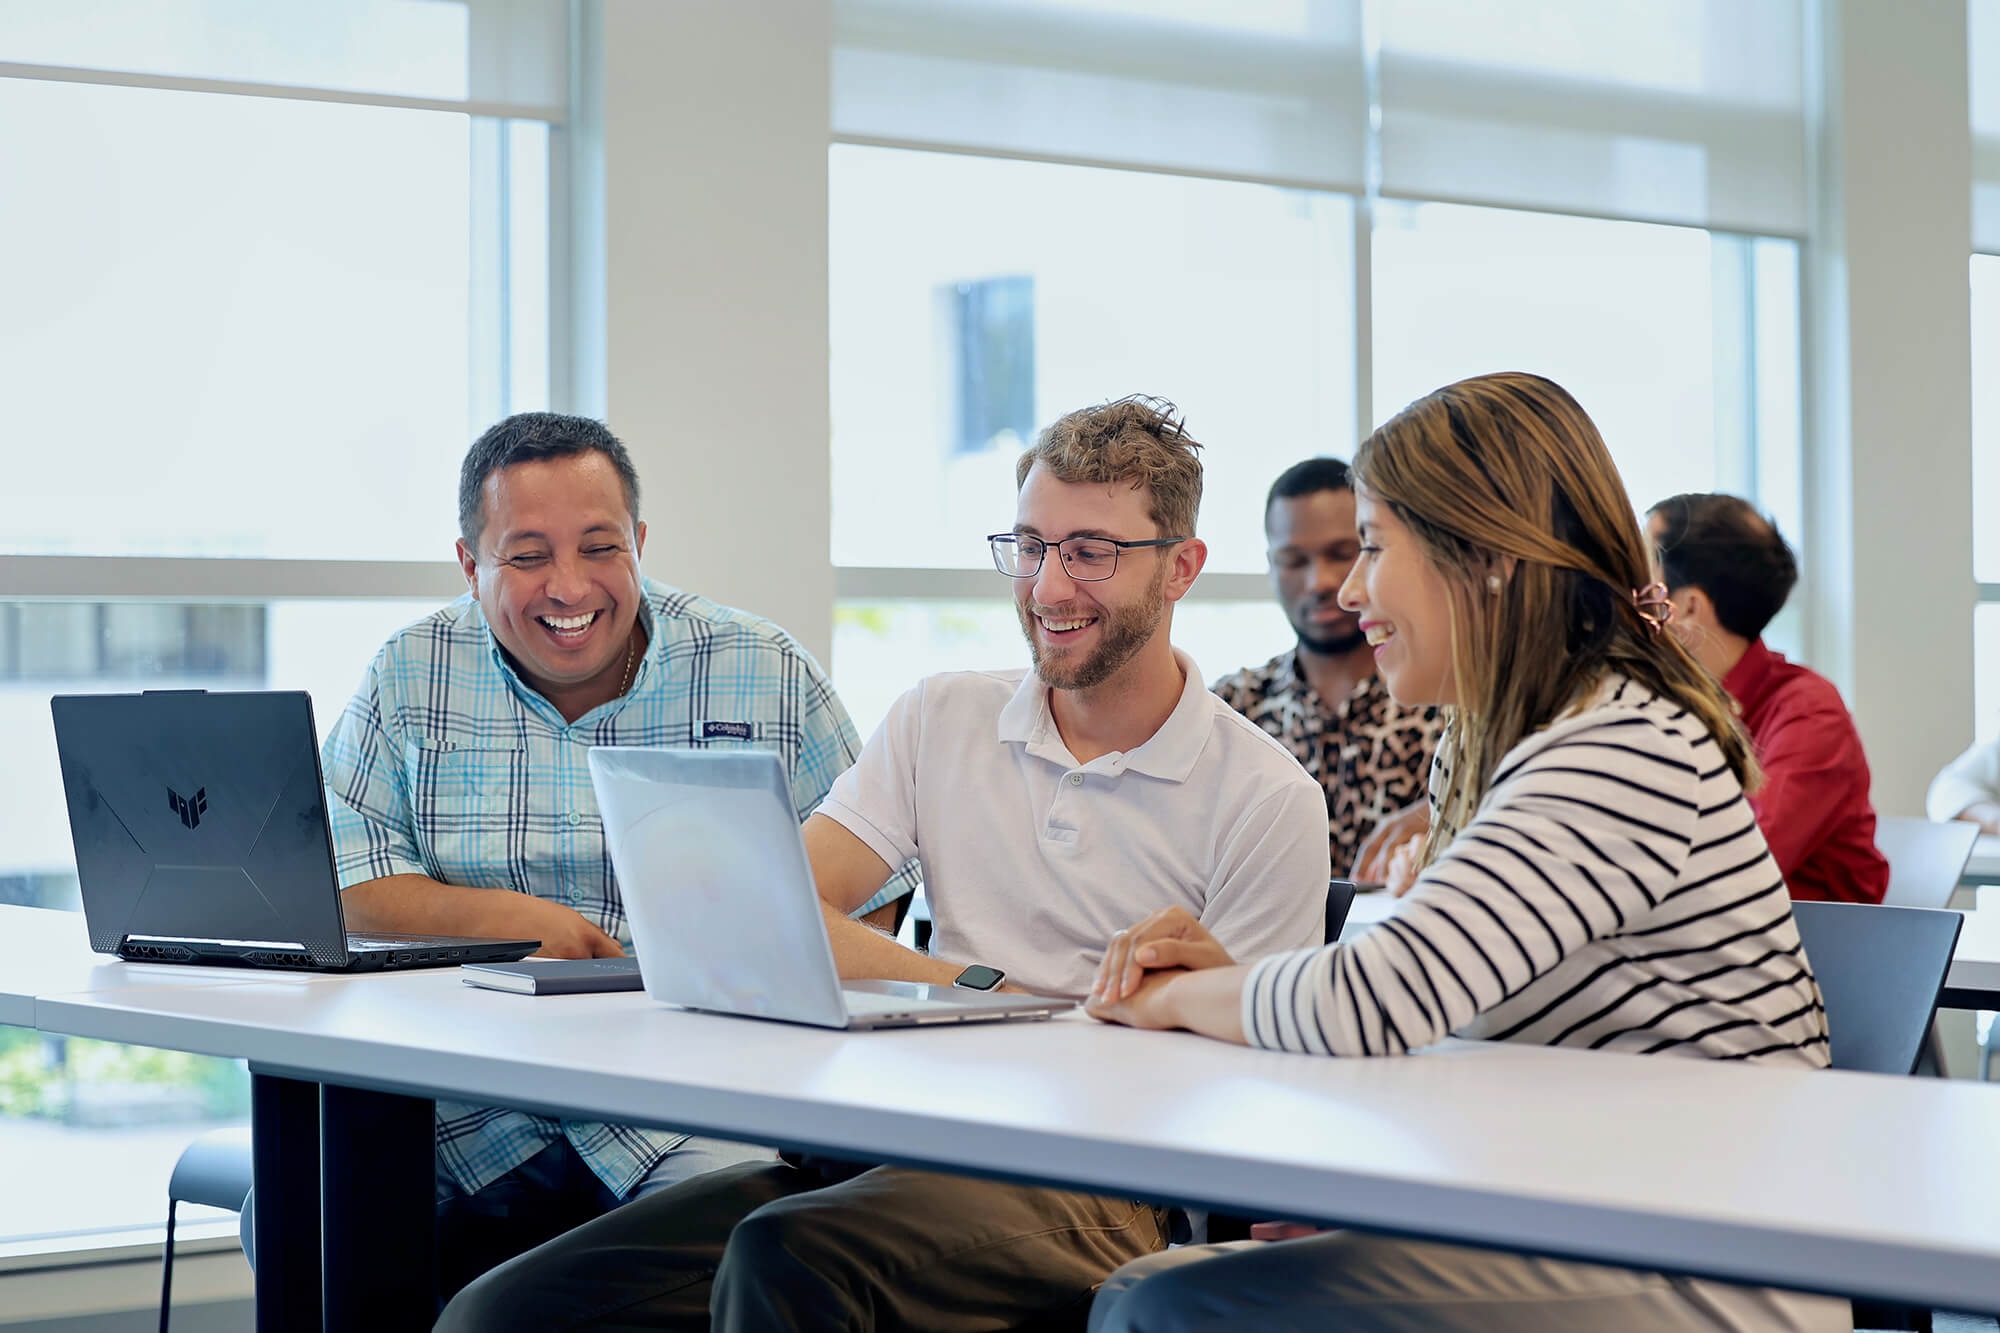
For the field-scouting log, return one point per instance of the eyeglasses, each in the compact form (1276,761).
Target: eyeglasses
(1085,559)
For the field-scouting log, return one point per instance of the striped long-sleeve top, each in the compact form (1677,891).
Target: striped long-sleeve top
(1612,891)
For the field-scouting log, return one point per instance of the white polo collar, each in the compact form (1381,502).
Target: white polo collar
(1169,754)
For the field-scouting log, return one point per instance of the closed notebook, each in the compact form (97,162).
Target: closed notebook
(555,976)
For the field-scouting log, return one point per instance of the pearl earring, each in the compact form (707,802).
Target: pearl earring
(1493,584)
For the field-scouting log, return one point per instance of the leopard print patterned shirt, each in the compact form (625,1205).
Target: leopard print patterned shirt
(1370,754)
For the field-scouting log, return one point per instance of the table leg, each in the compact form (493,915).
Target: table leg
(284,1136)
(378,1178)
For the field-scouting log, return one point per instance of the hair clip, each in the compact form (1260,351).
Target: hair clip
(1654,607)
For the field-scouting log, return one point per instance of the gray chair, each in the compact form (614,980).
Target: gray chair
(215,1170)
(1880,970)
(1926,859)
(1339,902)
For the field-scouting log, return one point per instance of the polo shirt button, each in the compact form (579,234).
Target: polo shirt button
(1076,779)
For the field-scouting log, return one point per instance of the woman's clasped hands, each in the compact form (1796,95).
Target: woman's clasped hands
(1135,979)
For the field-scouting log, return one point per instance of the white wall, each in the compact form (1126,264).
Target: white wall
(715,133)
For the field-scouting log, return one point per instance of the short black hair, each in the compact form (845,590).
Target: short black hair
(1308,478)
(1723,546)
(529,437)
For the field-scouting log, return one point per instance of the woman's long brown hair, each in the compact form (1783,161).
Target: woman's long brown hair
(1510,465)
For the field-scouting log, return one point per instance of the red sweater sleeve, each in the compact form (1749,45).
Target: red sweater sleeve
(1815,781)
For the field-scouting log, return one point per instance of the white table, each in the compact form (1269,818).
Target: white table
(1851,1183)
(1974,979)
(1984,865)
(46,953)
(1584,1154)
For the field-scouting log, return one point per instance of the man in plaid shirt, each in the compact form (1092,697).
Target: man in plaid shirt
(461,801)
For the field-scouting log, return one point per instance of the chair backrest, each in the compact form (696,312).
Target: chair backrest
(1880,970)
(1925,858)
(1339,899)
(214,1169)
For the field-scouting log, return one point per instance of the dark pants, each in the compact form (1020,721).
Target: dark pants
(766,1246)
(538,1200)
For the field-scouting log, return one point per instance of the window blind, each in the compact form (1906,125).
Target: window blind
(1681,111)
(1251,90)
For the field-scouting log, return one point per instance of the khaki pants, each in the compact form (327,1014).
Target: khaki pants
(1347,1280)
(765,1246)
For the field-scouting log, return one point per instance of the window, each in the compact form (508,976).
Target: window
(1986,497)
(274,255)
(449,50)
(973,300)
(876,643)
(1690,372)
(1985,420)
(223,277)
(1233,300)
(1136,222)
(1983,43)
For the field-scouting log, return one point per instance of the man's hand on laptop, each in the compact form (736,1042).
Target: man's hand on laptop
(564,932)
(419,905)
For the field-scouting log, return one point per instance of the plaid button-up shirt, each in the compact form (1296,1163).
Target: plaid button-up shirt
(447,764)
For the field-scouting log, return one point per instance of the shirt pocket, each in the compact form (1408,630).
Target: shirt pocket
(781,739)
(470,800)
(717,732)
(722,733)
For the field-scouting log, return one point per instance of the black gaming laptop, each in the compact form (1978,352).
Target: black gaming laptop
(201,837)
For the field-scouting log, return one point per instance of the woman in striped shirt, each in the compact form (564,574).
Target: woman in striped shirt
(1593,875)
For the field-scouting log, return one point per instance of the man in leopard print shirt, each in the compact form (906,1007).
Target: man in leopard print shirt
(1322,700)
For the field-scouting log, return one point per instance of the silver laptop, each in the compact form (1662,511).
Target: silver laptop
(721,901)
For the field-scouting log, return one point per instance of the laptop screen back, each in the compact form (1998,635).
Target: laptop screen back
(199,816)
(714,877)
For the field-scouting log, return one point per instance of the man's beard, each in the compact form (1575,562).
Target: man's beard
(1335,647)
(1327,645)
(1127,629)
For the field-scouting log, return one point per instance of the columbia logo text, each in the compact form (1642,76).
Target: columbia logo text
(189,808)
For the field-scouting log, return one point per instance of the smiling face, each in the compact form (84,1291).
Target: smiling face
(1081,633)
(1403,603)
(1312,546)
(556,572)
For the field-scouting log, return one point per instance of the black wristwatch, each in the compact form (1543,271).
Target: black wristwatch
(979,977)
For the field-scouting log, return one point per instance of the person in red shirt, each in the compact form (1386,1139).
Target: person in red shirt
(1728,572)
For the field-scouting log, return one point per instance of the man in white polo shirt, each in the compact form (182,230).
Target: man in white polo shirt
(1050,808)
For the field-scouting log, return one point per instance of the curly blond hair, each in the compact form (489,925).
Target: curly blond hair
(1138,440)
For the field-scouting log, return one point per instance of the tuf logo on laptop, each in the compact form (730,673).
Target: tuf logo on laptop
(190,809)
